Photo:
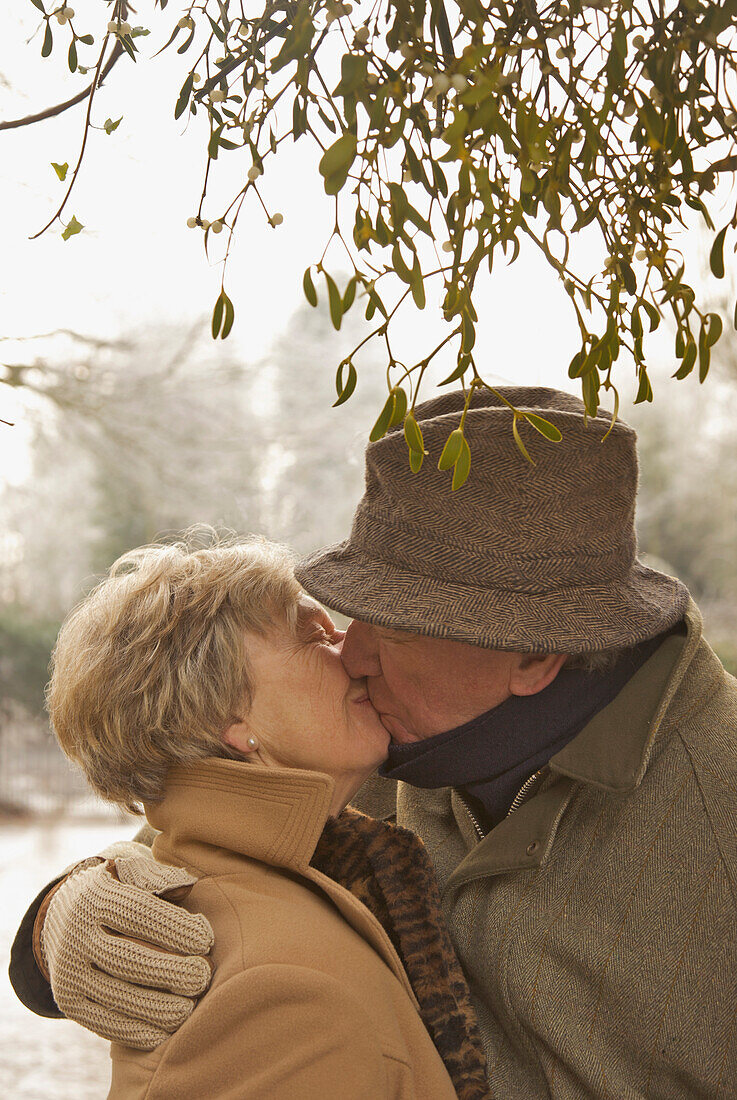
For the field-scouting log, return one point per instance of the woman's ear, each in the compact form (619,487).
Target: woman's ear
(240,736)
(534,671)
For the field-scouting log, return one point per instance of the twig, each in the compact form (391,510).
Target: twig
(59,109)
(93,88)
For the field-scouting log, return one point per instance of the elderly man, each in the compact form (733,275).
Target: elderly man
(563,740)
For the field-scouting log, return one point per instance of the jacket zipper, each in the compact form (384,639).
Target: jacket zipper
(518,800)
(523,791)
(474,820)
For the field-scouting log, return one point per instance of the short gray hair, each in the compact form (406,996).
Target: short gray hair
(599,660)
(151,667)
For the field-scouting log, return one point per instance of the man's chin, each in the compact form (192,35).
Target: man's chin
(398,732)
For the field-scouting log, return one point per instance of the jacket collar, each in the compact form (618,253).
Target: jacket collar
(215,812)
(613,750)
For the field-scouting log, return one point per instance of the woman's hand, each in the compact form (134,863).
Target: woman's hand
(122,960)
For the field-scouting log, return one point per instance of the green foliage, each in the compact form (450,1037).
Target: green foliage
(72,228)
(477,128)
(25,648)
(223,316)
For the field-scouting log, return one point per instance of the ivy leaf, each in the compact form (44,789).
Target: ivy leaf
(381,426)
(544,427)
(689,360)
(350,294)
(229,317)
(715,328)
(48,42)
(345,389)
(463,364)
(336,161)
(60,169)
(184,94)
(716,256)
(518,439)
(309,288)
(72,228)
(413,434)
(109,125)
(462,466)
(451,450)
(400,406)
(335,302)
(653,313)
(416,458)
(418,284)
(223,316)
(644,390)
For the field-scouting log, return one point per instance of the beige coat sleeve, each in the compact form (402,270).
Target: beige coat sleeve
(270,1032)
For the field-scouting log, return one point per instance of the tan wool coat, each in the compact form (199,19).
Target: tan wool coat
(309,999)
(597,923)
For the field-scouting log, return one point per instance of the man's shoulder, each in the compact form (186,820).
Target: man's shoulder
(702,722)
(377,798)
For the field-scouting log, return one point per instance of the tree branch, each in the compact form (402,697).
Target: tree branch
(59,108)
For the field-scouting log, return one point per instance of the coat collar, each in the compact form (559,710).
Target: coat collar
(215,812)
(217,815)
(613,750)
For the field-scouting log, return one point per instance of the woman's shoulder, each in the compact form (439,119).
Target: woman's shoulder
(266,914)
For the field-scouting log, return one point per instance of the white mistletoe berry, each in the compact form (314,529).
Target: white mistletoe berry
(254,172)
(277,219)
(61,17)
(447,246)
(192,222)
(205,224)
(216,226)
(186,22)
(440,84)
(459,82)
(218,96)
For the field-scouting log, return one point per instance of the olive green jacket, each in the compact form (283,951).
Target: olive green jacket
(597,923)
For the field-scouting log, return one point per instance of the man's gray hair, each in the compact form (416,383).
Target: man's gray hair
(600,660)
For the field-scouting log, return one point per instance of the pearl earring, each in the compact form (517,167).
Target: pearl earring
(252,743)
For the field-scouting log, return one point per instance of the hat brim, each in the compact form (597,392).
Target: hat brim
(578,619)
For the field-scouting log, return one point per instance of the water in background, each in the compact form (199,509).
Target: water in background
(40,1058)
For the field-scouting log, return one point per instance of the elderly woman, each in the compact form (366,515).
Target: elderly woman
(202,683)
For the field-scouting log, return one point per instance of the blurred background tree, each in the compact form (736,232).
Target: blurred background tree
(138,438)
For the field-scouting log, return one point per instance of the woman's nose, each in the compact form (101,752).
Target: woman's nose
(360,652)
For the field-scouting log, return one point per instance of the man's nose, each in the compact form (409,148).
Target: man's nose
(360,652)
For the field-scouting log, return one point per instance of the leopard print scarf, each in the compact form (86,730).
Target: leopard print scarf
(388,869)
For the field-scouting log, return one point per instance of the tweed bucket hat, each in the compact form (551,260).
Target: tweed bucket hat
(533,558)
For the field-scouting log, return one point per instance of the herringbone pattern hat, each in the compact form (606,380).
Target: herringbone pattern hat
(522,557)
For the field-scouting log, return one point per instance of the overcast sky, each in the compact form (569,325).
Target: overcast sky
(137,263)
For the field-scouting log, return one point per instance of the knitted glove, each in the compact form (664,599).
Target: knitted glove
(122,961)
